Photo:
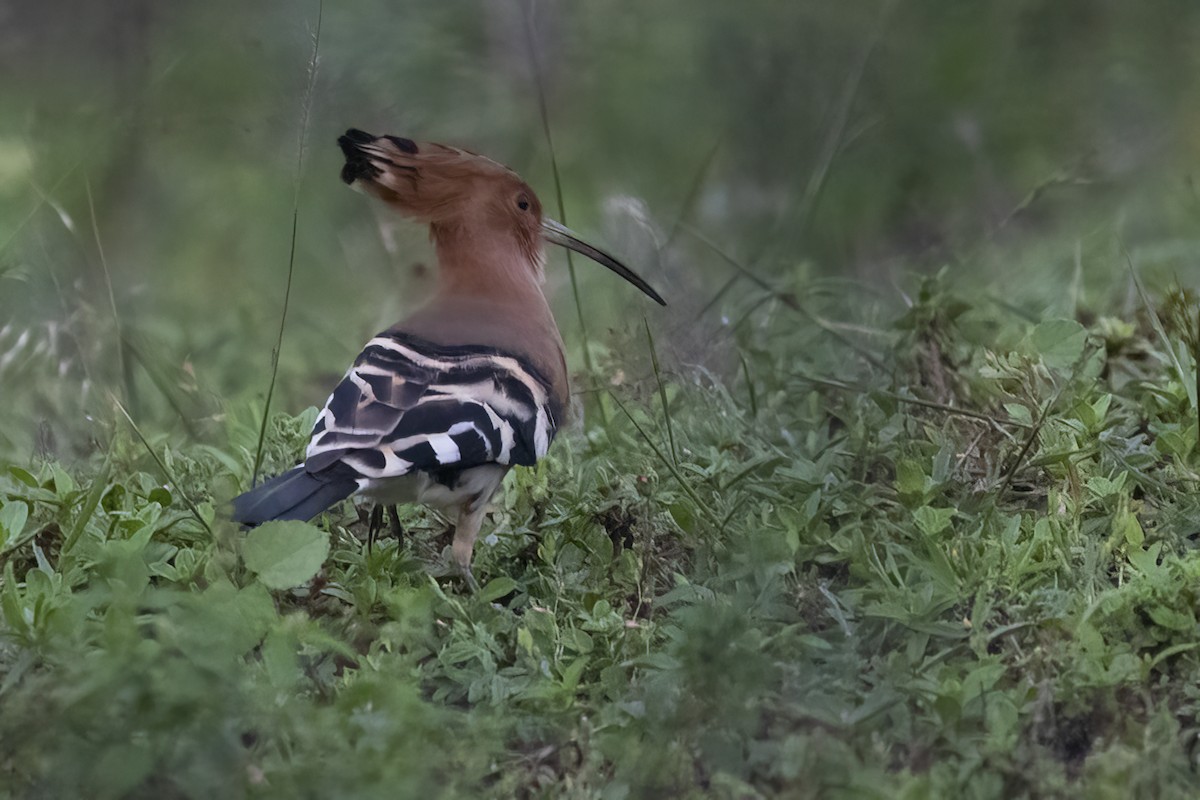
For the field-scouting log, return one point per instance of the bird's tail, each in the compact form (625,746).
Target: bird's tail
(296,494)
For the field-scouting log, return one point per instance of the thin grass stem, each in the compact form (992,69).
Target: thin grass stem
(535,65)
(306,108)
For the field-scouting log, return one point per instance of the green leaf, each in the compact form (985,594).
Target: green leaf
(571,675)
(1059,342)
(910,478)
(1019,413)
(11,607)
(24,476)
(684,517)
(285,554)
(497,588)
(278,655)
(578,641)
(1146,561)
(63,483)
(1170,618)
(1126,525)
(1103,487)
(215,627)
(933,521)
(791,537)
(525,639)
(90,504)
(12,521)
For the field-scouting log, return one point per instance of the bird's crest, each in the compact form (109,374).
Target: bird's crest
(427,181)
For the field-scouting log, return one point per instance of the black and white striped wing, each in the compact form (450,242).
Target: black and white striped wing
(409,405)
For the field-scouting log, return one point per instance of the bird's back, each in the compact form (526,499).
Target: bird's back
(522,328)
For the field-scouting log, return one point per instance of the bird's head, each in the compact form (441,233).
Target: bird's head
(459,193)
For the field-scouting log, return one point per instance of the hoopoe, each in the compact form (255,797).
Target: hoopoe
(439,407)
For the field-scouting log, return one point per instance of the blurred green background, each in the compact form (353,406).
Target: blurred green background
(152,149)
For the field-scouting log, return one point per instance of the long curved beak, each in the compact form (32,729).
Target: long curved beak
(562,235)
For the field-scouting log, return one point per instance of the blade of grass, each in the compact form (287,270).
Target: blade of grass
(1066,175)
(166,471)
(306,108)
(765,462)
(1173,650)
(1038,424)
(122,367)
(1028,316)
(688,490)
(95,493)
(693,192)
(915,401)
(69,308)
(1075,291)
(1191,383)
(749,386)
(835,138)
(43,199)
(716,298)
(161,382)
(787,298)
(536,66)
(662,391)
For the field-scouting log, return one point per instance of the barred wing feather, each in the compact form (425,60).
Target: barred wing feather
(408,404)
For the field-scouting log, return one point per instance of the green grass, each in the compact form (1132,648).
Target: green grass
(929,529)
(971,574)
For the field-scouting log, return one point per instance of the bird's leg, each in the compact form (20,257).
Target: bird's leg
(465,533)
(394,520)
(375,525)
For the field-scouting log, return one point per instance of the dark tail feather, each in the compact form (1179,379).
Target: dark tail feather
(296,494)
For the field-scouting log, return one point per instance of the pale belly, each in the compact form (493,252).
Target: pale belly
(471,489)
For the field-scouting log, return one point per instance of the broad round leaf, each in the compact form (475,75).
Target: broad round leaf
(1059,342)
(285,554)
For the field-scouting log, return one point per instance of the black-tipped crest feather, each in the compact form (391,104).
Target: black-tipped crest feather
(358,164)
(367,154)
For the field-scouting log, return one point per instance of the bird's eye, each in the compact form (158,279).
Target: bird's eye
(523,203)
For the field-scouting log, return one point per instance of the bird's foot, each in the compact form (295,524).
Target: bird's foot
(469,578)
(448,568)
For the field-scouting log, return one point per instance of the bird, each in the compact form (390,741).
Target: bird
(439,407)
